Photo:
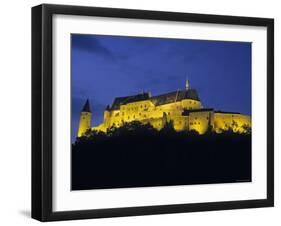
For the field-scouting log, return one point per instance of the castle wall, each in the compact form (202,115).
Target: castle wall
(226,121)
(172,110)
(200,121)
(181,123)
(191,104)
(157,123)
(100,127)
(146,111)
(140,110)
(114,119)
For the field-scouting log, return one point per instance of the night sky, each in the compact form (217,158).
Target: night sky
(105,67)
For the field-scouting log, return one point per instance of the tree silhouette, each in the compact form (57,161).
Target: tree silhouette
(136,155)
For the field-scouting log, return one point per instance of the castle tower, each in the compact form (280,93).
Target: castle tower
(85,119)
(186,84)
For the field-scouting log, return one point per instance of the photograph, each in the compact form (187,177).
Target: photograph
(148,112)
(152,111)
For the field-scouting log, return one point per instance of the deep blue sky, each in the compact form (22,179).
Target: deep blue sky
(105,67)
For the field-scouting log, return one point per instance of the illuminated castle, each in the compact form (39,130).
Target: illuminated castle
(182,107)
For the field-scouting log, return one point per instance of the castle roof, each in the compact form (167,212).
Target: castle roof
(118,101)
(156,100)
(86,107)
(175,96)
(186,112)
(228,112)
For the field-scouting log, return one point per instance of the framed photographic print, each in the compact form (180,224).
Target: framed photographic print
(146,112)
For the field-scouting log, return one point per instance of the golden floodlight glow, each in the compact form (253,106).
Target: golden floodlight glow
(183,108)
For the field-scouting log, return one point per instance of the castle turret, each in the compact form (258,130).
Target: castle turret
(106,115)
(186,84)
(85,119)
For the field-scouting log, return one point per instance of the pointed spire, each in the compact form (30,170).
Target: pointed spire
(86,107)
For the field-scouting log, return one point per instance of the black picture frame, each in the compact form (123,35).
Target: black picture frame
(42,111)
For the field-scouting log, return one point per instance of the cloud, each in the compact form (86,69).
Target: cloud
(90,44)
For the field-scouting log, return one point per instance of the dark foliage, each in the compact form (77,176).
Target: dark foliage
(137,155)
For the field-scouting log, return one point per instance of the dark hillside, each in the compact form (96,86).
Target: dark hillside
(136,155)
